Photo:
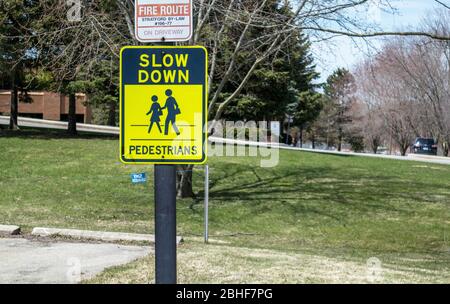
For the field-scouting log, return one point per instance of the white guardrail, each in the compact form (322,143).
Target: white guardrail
(60,125)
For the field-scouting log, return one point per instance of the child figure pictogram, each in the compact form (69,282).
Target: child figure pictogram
(156,112)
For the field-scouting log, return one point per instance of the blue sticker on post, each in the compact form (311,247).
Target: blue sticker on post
(138,178)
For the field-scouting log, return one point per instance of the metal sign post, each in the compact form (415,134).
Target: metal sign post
(165,225)
(206,201)
(163,101)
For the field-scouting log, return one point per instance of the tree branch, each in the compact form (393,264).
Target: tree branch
(375,34)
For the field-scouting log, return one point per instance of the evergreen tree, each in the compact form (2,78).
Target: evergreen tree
(16,54)
(284,84)
(339,89)
(102,88)
(82,55)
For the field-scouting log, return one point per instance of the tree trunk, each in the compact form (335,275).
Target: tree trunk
(340,139)
(112,114)
(14,106)
(445,148)
(72,125)
(184,181)
(374,146)
(301,137)
(313,141)
(374,149)
(403,150)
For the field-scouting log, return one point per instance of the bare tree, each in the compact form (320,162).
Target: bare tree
(408,83)
(371,123)
(70,47)
(320,19)
(387,94)
(425,67)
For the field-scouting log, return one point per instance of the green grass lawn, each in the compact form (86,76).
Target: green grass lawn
(328,210)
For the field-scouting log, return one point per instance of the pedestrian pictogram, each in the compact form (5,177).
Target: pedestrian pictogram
(173,109)
(163,105)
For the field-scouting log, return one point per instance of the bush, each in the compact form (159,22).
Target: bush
(357,143)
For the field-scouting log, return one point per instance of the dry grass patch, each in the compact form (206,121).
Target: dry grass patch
(198,263)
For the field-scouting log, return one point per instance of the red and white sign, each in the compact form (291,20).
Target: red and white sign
(163,20)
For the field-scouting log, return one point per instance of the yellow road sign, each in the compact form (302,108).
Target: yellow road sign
(163,99)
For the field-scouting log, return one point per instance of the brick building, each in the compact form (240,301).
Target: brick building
(47,105)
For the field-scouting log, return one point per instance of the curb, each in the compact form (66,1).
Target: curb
(9,229)
(97,235)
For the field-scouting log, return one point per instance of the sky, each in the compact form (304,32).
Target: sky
(345,52)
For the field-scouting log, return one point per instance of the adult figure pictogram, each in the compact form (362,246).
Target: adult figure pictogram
(172,111)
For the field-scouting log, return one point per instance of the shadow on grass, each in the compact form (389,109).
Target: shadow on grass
(46,134)
(320,190)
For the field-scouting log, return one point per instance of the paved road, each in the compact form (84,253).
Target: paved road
(410,157)
(50,124)
(24,261)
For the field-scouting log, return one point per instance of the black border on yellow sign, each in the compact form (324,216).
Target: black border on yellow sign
(204,111)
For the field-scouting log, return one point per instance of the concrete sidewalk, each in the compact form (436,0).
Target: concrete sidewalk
(98,235)
(23,261)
